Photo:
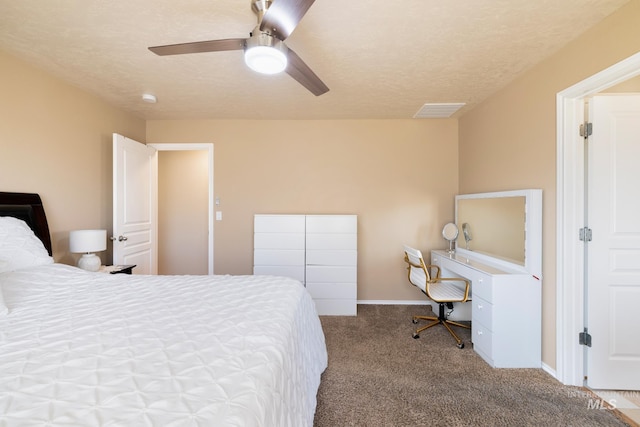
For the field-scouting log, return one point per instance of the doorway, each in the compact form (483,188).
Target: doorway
(185,205)
(570,363)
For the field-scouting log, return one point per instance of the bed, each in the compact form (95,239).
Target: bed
(82,348)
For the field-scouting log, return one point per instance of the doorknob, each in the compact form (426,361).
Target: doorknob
(119,239)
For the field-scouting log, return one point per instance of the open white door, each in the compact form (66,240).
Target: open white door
(135,201)
(613,360)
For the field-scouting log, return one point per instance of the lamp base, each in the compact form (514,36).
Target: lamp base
(89,262)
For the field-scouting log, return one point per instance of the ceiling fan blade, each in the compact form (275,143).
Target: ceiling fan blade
(199,47)
(301,72)
(283,15)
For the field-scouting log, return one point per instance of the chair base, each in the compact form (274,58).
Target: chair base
(440,320)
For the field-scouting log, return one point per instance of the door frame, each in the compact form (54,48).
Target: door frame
(570,302)
(199,147)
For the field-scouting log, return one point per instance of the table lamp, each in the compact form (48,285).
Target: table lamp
(87,242)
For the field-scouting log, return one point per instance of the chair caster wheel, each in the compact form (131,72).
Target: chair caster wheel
(414,321)
(461,345)
(415,336)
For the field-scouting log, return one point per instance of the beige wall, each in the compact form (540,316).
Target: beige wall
(509,141)
(398,176)
(56,140)
(183,203)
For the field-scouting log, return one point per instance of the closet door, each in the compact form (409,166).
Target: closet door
(331,263)
(279,246)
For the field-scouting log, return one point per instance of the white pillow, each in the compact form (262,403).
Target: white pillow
(19,247)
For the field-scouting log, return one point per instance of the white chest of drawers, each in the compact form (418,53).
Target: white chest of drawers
(279,245)
(318,250)
(506,321)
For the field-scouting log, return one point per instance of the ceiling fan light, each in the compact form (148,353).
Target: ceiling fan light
(265,59)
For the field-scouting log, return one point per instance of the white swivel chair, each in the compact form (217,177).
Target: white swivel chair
(445,291)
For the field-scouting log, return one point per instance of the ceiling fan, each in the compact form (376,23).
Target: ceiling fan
(264,50)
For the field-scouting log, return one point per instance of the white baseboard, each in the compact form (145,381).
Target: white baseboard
(394,302)
(549,370)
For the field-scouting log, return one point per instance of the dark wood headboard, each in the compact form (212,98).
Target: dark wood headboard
(28,207)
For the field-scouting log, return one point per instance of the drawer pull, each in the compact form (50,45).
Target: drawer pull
(480,307)
(480,280)
(479,332)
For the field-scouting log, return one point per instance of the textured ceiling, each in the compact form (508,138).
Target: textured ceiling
(380,58)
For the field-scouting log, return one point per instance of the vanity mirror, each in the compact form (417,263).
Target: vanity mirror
(504,228)
(450,234)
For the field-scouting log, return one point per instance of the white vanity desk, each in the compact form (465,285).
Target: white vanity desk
(506,309)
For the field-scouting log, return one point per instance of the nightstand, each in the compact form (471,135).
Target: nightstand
(117,269)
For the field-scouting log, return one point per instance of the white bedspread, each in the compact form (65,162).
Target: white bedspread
(91,349)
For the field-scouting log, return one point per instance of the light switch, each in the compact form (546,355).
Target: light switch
(218,215)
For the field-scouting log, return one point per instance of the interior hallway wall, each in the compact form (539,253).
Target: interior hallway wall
(183,203)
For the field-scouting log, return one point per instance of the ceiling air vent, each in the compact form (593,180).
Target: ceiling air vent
(438,111)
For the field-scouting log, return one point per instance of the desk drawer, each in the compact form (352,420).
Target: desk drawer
(452,269)
(482,313)
(481,286)
(482,339)
(435,260)
(480,282)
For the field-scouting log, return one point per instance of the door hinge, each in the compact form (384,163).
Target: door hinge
(586,129)
(584,338)
(585,234)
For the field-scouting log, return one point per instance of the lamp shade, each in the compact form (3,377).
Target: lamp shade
(87,241)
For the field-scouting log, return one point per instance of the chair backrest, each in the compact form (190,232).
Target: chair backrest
(418,271)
